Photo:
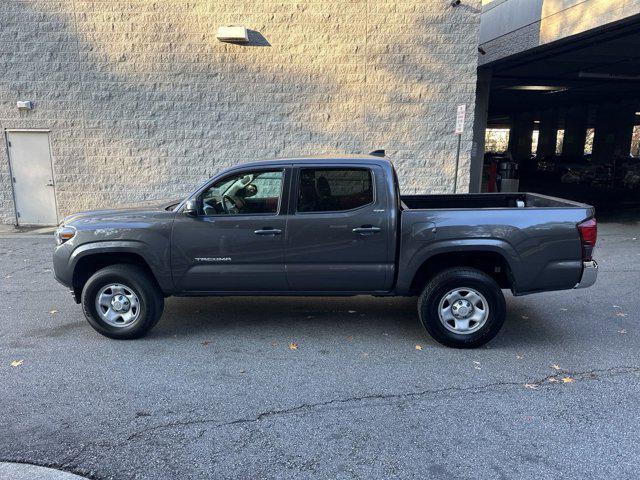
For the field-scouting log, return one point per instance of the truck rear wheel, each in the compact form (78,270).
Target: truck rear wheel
(122,302)
(462,308)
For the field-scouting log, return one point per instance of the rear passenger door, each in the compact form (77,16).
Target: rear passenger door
(338,232)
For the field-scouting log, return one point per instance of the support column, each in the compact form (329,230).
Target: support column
(575,132)
(520,139)
(613,131)
(479,129)
(547,134)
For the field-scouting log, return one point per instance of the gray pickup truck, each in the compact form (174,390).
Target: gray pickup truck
(326,226)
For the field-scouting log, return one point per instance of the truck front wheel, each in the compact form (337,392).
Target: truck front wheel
(462,308)
(122,301)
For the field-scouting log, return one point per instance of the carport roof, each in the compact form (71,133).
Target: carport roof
(595,67)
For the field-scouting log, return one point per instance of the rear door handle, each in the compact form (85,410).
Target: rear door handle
(367,230)
(268,231)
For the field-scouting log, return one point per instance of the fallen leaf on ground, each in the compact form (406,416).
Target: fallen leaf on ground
(364,354)
(349,337)
(555,366)
(274,344)
(519,356)
(293,346)
(53,312)
(567,380)
(418,347)
(531,386)
(205,343)
(17,363)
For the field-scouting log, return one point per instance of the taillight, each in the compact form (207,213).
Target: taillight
(588,234)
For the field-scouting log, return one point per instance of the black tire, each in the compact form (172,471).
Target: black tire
(438,287)
(145,288)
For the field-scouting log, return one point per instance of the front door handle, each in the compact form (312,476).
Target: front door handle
(367,230)
(268,231)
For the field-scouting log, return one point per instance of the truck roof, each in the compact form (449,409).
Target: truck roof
(329,159)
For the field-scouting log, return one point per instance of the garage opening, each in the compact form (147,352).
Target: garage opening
(564,120)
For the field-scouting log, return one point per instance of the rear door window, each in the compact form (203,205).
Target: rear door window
(334,189)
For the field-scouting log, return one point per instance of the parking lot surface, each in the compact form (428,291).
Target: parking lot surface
(347,388)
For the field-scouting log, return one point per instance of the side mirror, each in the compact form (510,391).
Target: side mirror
(191,208)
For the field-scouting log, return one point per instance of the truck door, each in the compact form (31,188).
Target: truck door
(237,241)
(338,230)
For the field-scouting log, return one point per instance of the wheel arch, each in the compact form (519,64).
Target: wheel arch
(489,261)
(87,261)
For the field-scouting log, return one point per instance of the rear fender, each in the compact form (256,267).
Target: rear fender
(422,255)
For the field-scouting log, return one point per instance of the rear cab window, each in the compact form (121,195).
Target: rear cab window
(334,189)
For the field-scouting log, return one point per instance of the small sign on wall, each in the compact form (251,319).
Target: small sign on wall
(460,114)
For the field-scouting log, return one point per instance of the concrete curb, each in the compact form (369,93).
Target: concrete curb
(26,471)
(11,231)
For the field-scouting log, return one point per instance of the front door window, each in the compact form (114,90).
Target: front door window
(253,193)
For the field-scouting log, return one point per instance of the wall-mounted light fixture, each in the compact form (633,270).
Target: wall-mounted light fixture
(24,105)
(482,51)
(233,33)
(536,88)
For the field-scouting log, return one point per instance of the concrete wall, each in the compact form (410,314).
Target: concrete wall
(142,101)
(509,27)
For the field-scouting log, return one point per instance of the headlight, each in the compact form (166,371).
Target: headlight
(62,234)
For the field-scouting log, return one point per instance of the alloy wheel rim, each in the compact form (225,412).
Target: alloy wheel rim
(118,305)
(463,310)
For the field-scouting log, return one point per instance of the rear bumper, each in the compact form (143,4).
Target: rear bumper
(589,274)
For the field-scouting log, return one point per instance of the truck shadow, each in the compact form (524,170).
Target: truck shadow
(326,317)
(288,316)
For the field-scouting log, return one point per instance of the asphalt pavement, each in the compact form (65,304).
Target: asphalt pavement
(339,388)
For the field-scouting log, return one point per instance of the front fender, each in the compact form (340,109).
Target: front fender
(158,261)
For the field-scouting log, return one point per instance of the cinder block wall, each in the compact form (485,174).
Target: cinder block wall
(143,102)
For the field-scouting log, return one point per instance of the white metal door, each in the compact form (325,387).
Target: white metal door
(33,190)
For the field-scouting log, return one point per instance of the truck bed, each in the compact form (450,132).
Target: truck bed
(536,235)
(486,200)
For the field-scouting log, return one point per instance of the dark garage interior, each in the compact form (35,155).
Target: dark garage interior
(568,117)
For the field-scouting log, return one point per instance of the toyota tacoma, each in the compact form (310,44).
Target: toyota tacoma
(326,226)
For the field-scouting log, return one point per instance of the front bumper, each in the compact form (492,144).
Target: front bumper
(61,270)
(589,274)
